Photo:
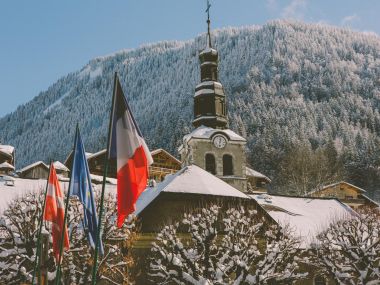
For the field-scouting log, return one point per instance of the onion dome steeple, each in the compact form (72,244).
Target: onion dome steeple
(209,98)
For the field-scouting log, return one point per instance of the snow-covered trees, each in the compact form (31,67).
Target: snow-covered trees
(349,250)
(219,246)
(287,84)
(18,236)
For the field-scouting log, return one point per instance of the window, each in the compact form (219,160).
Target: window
(227,165)
(210,163)
(319,280)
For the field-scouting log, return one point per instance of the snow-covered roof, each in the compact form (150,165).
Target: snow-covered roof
(60,166)
(307,217)
(209,50)
(336,184)
(256,174)
(190,179)
(156,151)
(21,187)
(32,166)
(96,154)
(7,149)
(6,165)
(203,132)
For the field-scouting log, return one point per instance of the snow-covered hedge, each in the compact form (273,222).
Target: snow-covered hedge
(18,238)
(214,246)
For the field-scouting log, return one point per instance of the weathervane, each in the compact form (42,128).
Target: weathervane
(208,23)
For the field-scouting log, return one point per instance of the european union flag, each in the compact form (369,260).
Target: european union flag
(81,186)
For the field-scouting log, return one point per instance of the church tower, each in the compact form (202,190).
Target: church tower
(209,98)
(212,146)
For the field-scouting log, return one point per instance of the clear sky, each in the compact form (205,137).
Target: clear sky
(43,40)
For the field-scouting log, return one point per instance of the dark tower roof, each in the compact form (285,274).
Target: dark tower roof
(209,98)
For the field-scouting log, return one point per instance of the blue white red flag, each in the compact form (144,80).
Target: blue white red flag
(133,157)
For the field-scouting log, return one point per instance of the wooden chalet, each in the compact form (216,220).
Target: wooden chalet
(164,164)
(347,193)
(37,170)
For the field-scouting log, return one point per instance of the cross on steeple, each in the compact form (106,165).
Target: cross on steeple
(208,23)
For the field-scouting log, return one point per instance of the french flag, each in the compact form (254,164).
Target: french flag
(129,149)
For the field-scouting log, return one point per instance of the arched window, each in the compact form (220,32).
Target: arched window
(319,280)
(228,168)
(210,163)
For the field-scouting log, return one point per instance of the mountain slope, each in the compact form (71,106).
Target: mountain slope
(287,83)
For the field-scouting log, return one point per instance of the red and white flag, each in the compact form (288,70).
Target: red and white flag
(131,152)
(55,212)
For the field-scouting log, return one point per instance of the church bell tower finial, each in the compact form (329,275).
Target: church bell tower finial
(208,24)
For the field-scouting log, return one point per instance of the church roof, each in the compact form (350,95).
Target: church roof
(203,132)
(256,174)
(306,216)
(191,179)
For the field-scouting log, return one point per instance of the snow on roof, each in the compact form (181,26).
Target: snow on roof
(7,149)
(103,151)
(336,184)
(208,50)
(60,166)
(6,165)
(206,133)
(190,179)
(307,217)
(32,165)
(156,151)
(22,187)
(254,173)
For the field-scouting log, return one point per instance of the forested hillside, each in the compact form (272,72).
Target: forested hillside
(306,96)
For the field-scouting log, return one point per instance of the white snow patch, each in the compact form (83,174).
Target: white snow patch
(56,103)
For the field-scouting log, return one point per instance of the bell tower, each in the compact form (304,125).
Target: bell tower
(211,145)
(209,97)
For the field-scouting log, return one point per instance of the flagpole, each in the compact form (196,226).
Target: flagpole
(105,173)
(40,230)
(58,272)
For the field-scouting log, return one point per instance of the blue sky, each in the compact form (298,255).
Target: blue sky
(43,40)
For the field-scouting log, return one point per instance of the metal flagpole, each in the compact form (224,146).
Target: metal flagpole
(58,272)
(40,230)
(105,173)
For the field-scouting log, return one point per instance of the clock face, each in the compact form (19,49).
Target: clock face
(220,141)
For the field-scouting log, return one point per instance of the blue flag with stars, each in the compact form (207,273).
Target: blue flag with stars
(81,186)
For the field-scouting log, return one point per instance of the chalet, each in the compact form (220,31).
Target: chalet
(347,193)
(257,182)
(7,154)
(37,170)
(163,164)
